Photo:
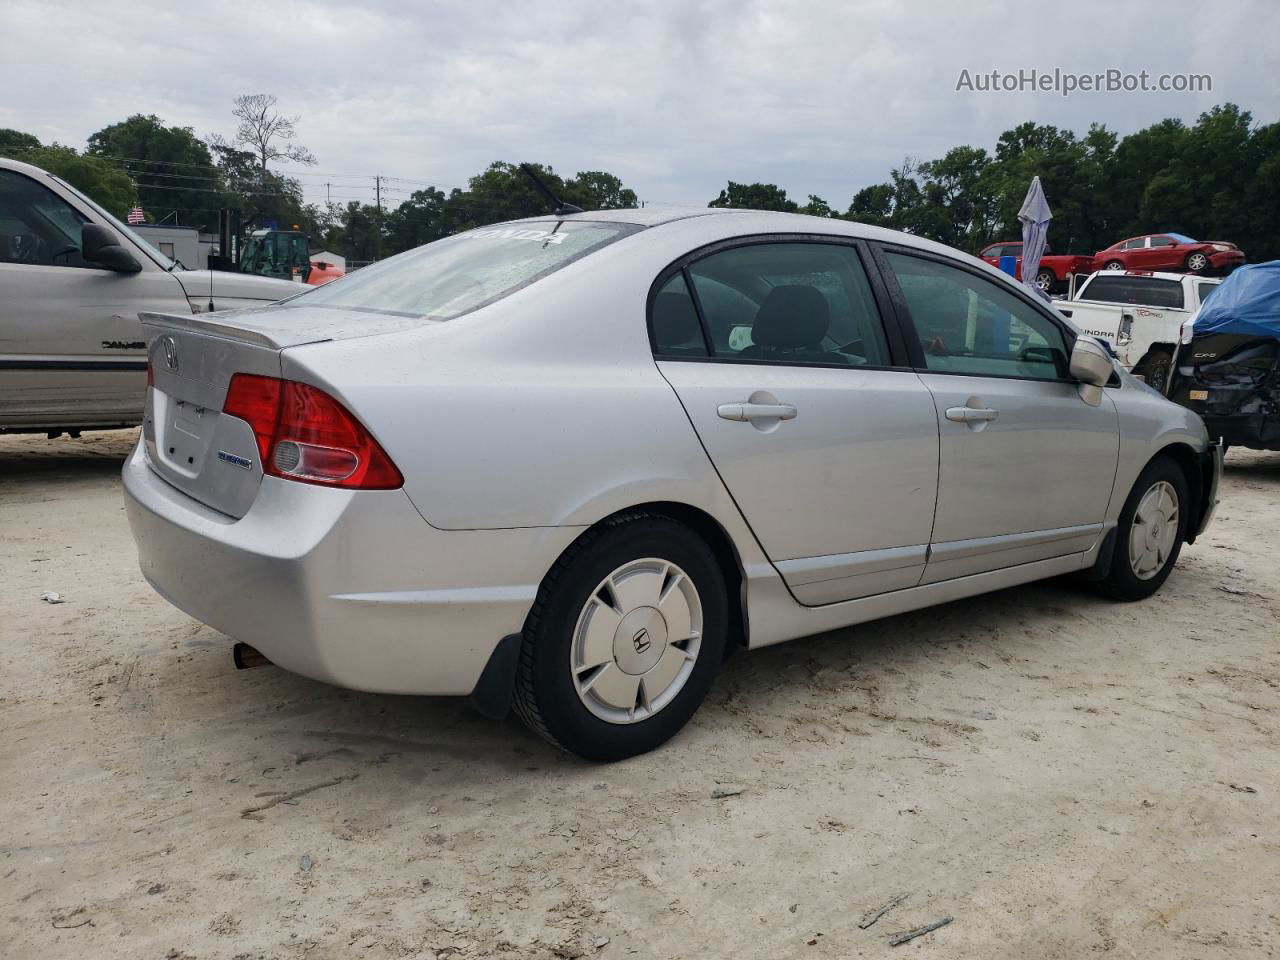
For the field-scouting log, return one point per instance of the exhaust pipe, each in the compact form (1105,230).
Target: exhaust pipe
(245,656)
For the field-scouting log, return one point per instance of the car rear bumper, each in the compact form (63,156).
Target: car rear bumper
(352,588)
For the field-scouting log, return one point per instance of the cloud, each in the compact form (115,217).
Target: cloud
(676,98)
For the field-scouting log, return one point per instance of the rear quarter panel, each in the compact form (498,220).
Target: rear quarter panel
(543,409)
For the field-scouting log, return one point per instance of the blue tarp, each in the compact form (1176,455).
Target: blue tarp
(1247,302)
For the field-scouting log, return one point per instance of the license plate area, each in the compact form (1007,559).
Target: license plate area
(182,440)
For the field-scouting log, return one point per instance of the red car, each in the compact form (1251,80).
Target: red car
(1169,251)
(1053,270)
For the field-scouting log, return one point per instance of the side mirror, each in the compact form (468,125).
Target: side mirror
(1091,365)
(99,245)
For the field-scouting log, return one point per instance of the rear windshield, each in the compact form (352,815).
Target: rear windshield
(1147,291)
(450,277)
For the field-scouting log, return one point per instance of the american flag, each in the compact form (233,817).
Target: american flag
(136,216)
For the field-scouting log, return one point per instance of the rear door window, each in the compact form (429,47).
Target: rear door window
(450,277)
(793,303)
(677,332)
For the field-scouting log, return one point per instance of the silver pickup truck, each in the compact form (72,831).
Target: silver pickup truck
(1139,313)
(73,280)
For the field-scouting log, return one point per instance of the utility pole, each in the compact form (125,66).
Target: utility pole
(377,185)
(327,199)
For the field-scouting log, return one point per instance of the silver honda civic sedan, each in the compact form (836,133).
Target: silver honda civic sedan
(568,464)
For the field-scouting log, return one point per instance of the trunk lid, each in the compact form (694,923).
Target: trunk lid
(190,442)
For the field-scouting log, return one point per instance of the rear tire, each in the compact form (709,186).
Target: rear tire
(1149,536)
(624,639)
(1154,368)
(1046,281)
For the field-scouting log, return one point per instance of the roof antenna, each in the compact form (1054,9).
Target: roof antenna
(561,209)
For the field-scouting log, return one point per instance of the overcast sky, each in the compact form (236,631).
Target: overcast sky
(675,98)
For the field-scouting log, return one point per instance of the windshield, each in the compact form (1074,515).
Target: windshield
(450,277)
(1180,238)
(167,262)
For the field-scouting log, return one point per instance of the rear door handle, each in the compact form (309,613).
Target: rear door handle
(756,411)
(971,414)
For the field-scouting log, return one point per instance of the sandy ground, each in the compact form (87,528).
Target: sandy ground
(1062,775)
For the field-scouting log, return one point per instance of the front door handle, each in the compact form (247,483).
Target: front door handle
(971,414)
(756,411)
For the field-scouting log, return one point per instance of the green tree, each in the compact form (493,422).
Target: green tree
(755,196)
(14,143)
(817,207)
(427,215)
(263,197)
(176,175)
(356,238)
(100,180)
(597,190)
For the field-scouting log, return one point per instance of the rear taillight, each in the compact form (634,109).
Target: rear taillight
(304,434)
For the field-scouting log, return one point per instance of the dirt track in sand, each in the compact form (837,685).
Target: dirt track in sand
(1062,775)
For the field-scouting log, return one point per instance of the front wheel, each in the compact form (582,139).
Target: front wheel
(1113,265)
(1045,280)
(1197,262)
(624,639)
(1149,536)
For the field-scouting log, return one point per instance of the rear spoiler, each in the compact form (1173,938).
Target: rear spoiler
(213,326)
(278,328)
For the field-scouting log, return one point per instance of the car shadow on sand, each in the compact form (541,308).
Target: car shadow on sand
(34,457)
(417,740)
(1252,464)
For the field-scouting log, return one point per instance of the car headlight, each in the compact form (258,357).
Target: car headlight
(1221,247)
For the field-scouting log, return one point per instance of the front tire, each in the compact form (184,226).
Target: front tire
(1149,536)
(1045,280)
(1197,262)
(624,639)
(1113,265)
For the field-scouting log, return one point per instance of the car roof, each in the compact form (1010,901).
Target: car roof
(733,222)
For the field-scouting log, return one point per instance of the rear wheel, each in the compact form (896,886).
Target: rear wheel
(1197,262)
(1045,280)
(1149,536)
(1113,265)
(1154,369)
(624,639)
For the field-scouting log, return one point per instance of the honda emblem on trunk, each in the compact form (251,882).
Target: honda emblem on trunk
(170,352)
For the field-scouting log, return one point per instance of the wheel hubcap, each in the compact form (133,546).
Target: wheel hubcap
(1154,531)
(1197,262)
(636,640)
